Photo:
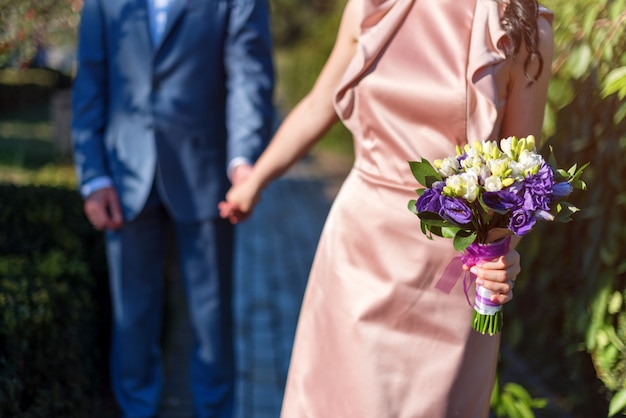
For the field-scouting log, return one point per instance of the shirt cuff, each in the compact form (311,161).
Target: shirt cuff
(95,184)
(234,163)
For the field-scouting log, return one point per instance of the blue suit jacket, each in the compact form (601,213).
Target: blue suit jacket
(176,112)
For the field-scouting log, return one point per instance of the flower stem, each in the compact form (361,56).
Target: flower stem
(487,324)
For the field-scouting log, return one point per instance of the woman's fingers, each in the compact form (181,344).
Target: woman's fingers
(232,212)
(499,275)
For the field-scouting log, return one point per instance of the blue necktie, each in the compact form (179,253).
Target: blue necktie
(158,17)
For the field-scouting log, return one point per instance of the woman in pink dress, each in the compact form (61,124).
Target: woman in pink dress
(411,79)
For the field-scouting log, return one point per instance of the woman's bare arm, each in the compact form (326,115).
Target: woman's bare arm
(309,120)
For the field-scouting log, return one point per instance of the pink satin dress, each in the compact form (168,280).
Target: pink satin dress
(375,339)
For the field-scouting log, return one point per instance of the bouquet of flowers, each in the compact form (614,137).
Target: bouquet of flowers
(483,195)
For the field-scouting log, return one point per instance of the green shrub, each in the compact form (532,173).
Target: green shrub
(300,62)
(53,304)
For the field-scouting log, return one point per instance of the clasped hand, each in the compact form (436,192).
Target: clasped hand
(498,275)
(241,198)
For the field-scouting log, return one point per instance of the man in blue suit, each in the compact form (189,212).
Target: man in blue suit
(171,103)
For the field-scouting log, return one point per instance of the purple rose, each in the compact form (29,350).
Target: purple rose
(545,175)
(534,201)
(537,189)
(542,182)
(430,200)
(521,221)
(455,210)
(502,200)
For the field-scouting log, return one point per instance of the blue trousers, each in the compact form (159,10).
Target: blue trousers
(136,255)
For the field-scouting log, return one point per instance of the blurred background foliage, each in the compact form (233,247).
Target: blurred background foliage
(29,26)
(567,323)
(568,319)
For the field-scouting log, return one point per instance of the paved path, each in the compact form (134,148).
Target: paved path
(274,252)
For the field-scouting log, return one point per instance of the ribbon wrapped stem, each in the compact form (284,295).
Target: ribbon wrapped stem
(487,315)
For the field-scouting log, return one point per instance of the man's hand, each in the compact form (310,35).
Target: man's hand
(103,209)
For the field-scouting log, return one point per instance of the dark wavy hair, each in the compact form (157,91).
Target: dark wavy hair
(520,23)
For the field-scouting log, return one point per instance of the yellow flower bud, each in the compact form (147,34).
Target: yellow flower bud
(507,181)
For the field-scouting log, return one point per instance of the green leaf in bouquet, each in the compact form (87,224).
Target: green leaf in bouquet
(463,239)
(552,158)
(424,172)
(449,231)
(579,184)
(433,224)
(426,231)
(575,179)
(565,175)
(431,230)
(572,170)
(432,218)
(412,207)
(564,210)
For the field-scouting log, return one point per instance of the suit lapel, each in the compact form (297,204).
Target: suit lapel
(177,8)
(143,16)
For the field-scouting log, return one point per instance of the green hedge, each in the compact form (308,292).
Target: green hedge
(568,317)
(53,304)
(300,62)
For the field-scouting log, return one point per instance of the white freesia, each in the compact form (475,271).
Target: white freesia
(463,185)
(516,170)
(493,184)
(491,150)
(506,145)
(483,173)
(472,188)
(530,162)
(473,152)
(499,167)
(447,167)
(473,163)
(528,143)
(454,185)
